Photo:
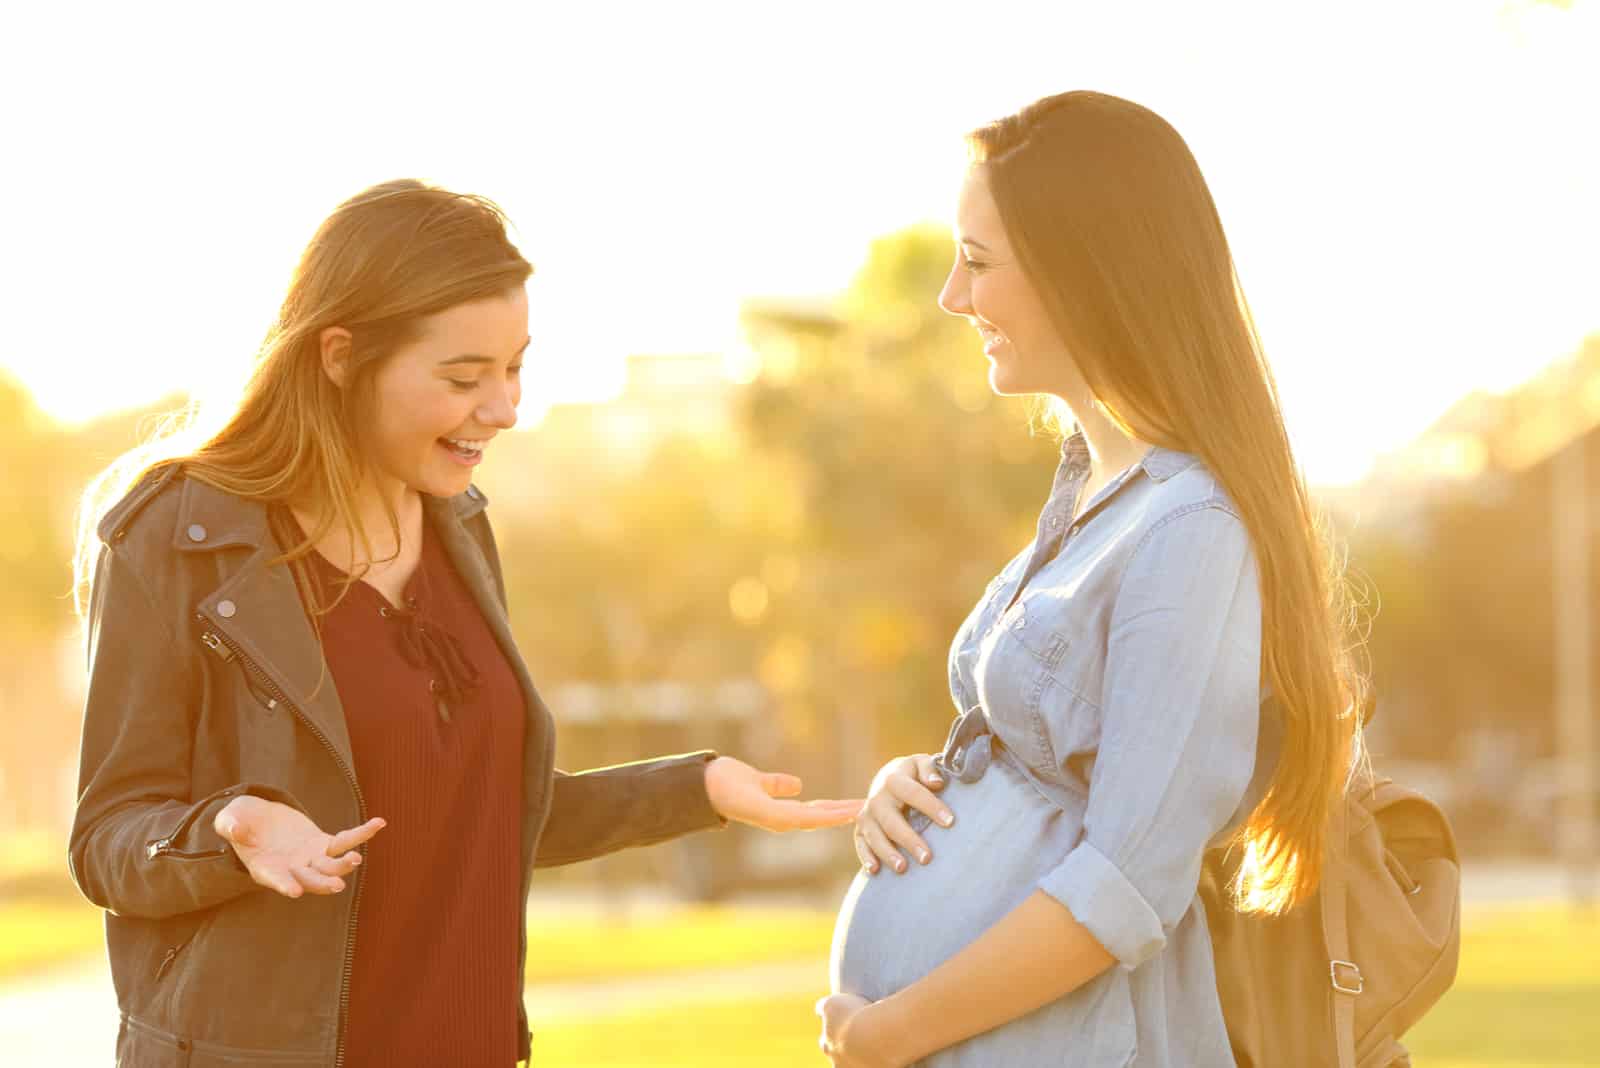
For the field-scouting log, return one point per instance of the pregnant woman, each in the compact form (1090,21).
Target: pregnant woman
(1163,668)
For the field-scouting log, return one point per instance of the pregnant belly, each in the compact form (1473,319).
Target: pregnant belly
(894,929)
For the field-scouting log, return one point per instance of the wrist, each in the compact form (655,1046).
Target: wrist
(868,1037)
(713,798)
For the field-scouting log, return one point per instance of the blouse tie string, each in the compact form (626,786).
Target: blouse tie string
(425,645)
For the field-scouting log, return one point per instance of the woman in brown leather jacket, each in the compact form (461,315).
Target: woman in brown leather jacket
(306,713)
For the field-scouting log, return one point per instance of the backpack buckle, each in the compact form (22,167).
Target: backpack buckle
(1333,973)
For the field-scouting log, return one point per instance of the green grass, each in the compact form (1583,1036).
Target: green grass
(677,940)
(1527,996)
(772,1032)
(38,934)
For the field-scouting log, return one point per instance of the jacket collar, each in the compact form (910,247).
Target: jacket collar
(211,519)
(258,608)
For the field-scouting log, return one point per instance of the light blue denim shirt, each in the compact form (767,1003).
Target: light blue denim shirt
(1110,696)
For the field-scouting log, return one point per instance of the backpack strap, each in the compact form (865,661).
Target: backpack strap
(1342,971)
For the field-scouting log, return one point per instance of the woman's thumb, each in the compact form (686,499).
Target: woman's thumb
(231,829)
(781,784)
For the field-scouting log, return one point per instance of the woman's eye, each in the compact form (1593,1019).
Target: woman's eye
(972,265)
(461,384)
(517,370)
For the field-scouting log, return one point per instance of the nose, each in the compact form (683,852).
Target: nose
(499,409)
(956,296)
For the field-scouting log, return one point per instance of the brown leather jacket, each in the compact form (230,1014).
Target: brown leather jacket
(203,685)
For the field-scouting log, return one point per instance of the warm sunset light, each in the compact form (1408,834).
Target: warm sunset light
(1409,188)
(639,535)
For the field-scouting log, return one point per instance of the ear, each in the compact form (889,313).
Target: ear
(335,350)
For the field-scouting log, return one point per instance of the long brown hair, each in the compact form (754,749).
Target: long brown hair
(1114,225)
(385,259)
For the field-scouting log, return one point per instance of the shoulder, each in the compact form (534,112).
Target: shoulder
(147,513)
(1183,482)
(170,526)
(1188,505)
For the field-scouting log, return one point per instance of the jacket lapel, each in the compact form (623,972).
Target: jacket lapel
(257,610)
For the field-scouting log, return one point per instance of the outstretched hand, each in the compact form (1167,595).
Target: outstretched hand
(285,851)
(748,795)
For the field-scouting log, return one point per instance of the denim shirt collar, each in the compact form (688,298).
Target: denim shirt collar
(1159,462)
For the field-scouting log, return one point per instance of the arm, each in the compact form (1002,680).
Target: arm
(593,813)
(1180,713)
(653,800)
(141,845)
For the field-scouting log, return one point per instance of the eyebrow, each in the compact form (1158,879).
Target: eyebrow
(975,243)
(473,357)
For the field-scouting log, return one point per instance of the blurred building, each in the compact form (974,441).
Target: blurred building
(664,396)
(1485,444)
(1485,525)
(604,723)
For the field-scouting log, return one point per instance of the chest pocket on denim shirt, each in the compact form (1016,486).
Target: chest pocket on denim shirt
(968,641)
(1014,675)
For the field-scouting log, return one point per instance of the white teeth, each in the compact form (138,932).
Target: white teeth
(467,446)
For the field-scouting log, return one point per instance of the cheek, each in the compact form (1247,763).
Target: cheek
(418,415)
(990,301)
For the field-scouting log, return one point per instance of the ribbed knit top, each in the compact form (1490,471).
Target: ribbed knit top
(436,725)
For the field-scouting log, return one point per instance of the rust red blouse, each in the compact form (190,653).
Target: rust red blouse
(436,725)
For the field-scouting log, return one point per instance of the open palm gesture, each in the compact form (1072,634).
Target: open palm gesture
(740,792)
(285,851)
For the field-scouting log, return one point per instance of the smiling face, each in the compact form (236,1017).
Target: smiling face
(988,288)
(438,400)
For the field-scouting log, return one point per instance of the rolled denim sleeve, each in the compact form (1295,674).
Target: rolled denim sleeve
(1180,713)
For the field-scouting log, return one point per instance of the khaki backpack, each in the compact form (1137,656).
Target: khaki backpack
(1338,980)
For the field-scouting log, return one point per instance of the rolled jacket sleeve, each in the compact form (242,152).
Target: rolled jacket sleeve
(1179,719)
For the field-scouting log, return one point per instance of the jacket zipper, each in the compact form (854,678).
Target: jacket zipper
(228,651)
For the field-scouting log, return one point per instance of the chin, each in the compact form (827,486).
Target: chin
(443,484)
(1005,383)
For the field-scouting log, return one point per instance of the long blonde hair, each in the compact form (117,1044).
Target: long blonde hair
(385,259)
(1113,223)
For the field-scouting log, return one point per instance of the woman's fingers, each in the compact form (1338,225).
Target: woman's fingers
(895,827)
(869,861)
(277,879)
(909,791)
(810,815)
(345,841)
(314,881)
(876,841)
(928,772)
(338,867)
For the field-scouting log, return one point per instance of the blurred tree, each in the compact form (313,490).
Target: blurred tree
(917,484)
(46,466)
(874,486)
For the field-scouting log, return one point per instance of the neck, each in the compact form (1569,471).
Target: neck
(373,502)
(1110,448)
